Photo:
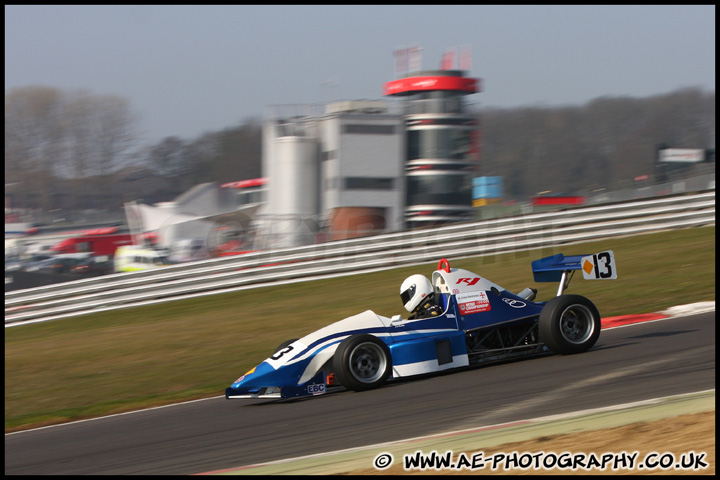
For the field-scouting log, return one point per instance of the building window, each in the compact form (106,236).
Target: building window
(439,189)
(369,129)
(368,183)
(425,104)
(329,155)
(448,143)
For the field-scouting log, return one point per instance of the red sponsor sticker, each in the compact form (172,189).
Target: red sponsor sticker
(473,302)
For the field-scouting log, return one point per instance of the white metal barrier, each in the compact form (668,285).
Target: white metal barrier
(359,255)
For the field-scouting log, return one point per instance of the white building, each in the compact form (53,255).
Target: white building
(336,172)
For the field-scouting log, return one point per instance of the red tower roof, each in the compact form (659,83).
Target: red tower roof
(410,85)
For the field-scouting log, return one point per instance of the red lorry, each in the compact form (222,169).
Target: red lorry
(97,244)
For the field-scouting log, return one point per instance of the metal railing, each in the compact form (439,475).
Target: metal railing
(347,257)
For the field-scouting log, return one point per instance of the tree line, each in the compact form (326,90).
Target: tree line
(604,144)
(78,150)
(75,150)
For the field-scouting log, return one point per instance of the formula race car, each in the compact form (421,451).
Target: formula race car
(458,319)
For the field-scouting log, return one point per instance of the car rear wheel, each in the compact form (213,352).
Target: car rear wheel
(362,362)
(569,324)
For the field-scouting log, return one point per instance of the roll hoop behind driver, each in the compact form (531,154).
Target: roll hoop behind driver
(418,298)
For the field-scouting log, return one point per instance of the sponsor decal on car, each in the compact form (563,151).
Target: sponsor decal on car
(514,303)
(316,389)
(473,302)
(246,374)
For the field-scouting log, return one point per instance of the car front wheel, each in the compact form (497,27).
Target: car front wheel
(362,362)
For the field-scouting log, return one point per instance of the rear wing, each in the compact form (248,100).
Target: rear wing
(559,268)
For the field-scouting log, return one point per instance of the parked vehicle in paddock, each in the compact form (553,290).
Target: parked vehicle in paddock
(133,258)
(57,264)
(459,319)
(93,266)
(95,242)
(14,264)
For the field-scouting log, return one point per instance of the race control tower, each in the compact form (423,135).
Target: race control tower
(442,145)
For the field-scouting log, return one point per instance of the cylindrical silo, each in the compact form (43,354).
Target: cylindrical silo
(293,182)
(293,193)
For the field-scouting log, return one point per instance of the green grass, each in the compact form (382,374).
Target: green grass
(147,356)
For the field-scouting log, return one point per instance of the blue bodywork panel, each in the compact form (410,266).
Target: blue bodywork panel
(502,307)
(550,269)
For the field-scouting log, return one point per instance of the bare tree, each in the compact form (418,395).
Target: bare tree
(33,141)
(167,156)
(51,135)
(114,133)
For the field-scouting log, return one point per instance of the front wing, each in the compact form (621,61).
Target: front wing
(315,386)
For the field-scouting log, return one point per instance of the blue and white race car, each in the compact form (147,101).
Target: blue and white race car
(458,319)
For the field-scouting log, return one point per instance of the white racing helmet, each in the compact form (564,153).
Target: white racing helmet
(414,290)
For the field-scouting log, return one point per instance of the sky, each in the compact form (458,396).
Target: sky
(188,70)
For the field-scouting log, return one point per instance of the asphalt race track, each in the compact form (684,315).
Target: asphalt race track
(631,363)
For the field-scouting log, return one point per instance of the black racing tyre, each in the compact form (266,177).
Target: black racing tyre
(569,324)
(362,362)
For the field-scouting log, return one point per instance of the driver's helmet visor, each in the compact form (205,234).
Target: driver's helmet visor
(408,294)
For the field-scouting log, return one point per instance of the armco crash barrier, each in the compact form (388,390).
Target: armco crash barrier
(347,257)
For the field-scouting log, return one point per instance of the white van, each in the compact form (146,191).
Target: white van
(132,258)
